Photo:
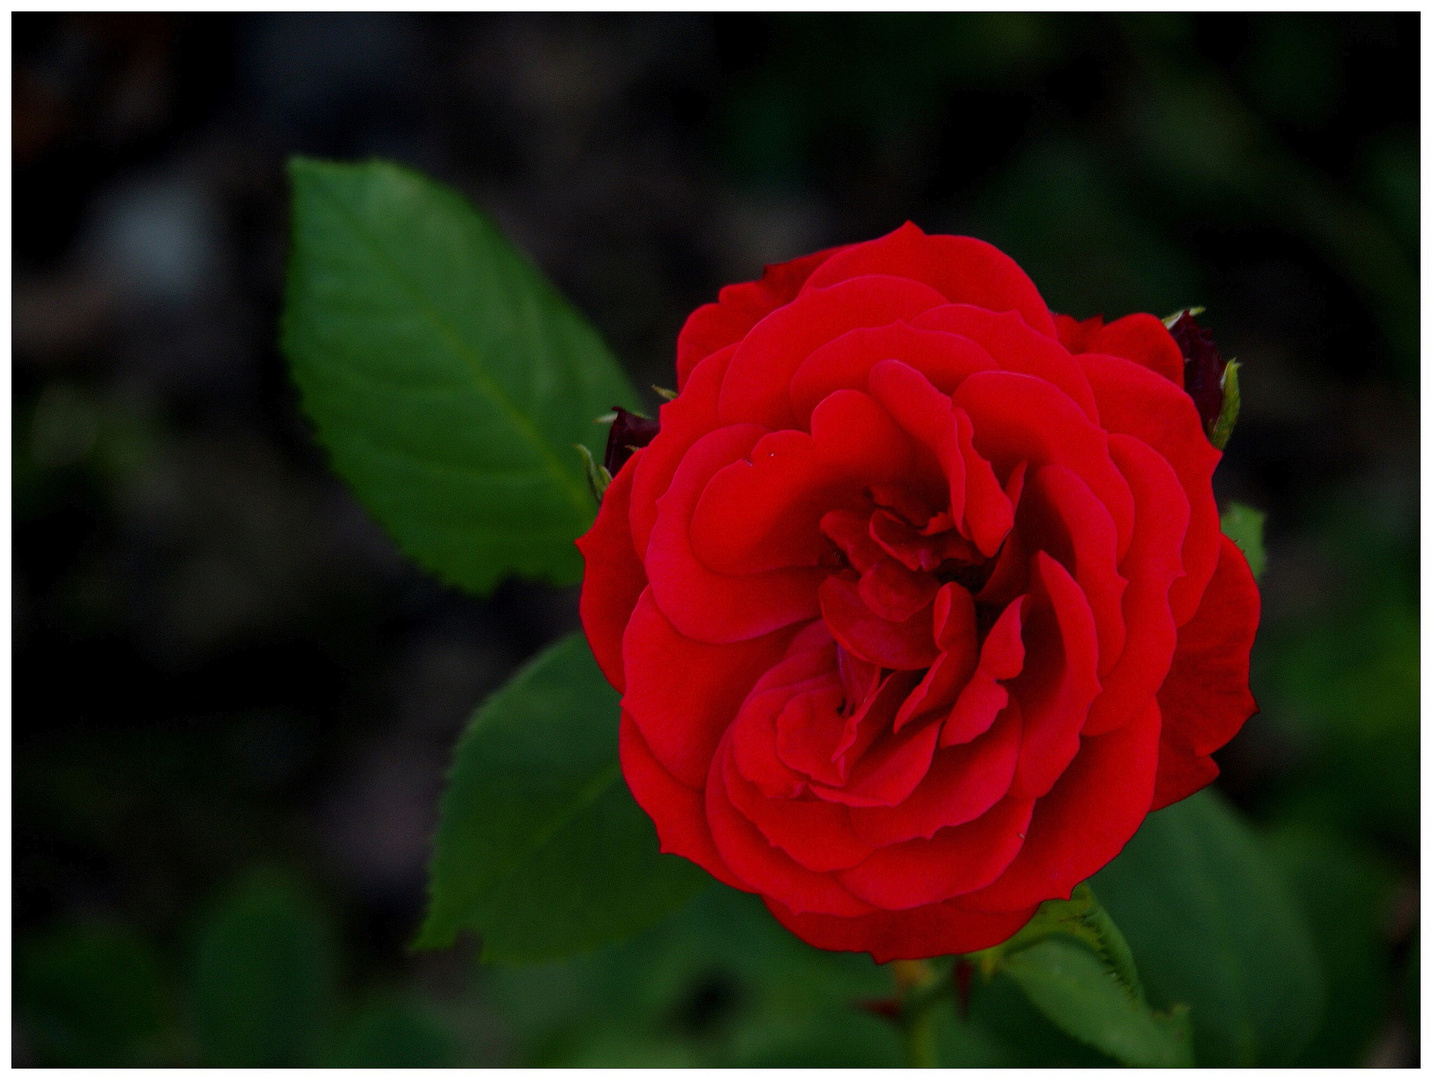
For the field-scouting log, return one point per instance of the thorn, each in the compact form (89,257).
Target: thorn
(670,395)
(606,418)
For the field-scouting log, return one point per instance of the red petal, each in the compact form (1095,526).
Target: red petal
(683,693)
(1143,339)
(1074,334)
(1058,682)
(701,603)
(944,359)
(1205,699)
(764,513)
(889,770)
(895,593)
(963,782)
(758,380)
(1151,565)
(904,646)
(1088,817)
(963,269)
(1015,347)
(1021,418)
(1181,773)
(1135,401)
(1060,515)
(975,495)
(815,833)
(762,867)
(917,934)
(957,640)
(1001,659)
(954,861)
(683,422)
(678,811)
(738,308)
(614,577)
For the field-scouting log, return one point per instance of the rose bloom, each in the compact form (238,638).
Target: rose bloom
(917,600)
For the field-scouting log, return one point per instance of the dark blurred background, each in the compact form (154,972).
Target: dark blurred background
(234,702)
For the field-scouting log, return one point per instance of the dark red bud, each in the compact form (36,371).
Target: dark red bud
(629,433)
(1202,368)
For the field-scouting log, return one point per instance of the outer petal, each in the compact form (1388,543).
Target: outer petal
(963,269)
(615,577)
(740,307)
(1145,340)
(916,934)
(678,811)
(683,422)
(1205,697)
(683,694)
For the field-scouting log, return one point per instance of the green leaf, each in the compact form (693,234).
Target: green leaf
(1213,927)
(1080,917)
(264,977)
(1075,966)
(90,996)
(1346,892)
(1078,991)
(1244,526)
(541,849)
(445,375)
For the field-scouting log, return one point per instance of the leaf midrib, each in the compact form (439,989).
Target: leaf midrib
(484,383)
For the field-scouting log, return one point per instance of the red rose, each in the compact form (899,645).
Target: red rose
(918,599)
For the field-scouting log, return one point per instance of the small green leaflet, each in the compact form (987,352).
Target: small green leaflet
(540,848)
(1215,928)
(1077,991)
(1244,526)
(445,375)
(1074,965)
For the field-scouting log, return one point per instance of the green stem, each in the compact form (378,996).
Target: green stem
(920,1051)
(917,1020)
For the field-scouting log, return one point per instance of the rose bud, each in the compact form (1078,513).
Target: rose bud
(629,432)
(917,600)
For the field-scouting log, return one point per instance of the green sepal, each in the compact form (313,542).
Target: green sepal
(1169,320)
(598,479)
(1228,415)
